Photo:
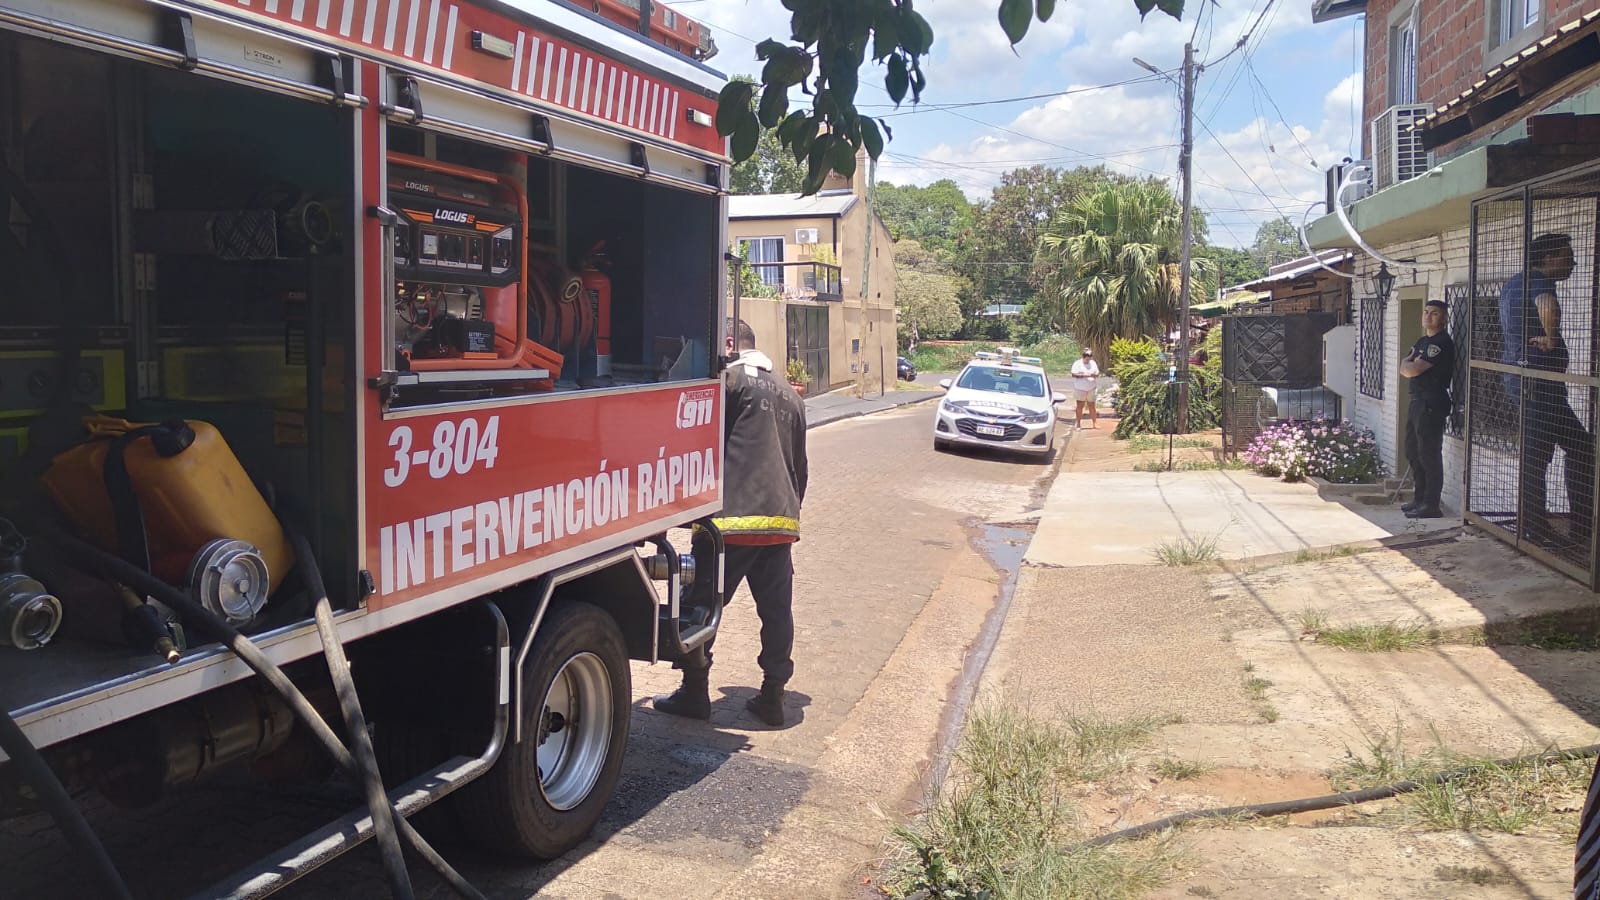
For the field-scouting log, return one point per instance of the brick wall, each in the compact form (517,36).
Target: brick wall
(1451,48)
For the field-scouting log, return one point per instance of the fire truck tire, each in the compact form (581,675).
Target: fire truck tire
(547,791)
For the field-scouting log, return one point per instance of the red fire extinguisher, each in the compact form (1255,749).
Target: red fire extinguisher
(597,290)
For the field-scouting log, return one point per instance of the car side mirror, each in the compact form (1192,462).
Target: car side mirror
(1058,397)
(944,383)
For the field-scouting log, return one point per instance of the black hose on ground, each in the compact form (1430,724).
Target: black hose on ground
(53,795)
(355,723)
(117,569)
(1330,801)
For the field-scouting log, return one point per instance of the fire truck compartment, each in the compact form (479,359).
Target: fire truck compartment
(182,252)
(175,250)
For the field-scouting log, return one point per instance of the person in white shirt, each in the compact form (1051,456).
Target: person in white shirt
(1085,377)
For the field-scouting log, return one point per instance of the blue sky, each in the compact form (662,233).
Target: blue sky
(1265,113)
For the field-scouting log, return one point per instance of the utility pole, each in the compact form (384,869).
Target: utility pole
(866,285)
(1186,167)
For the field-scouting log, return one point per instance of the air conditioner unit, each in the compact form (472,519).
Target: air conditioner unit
(805,235)
(1357,190)
(1397,151)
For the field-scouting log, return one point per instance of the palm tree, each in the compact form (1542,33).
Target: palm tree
(1109,262)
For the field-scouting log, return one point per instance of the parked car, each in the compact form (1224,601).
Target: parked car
(999,400)
(905,369)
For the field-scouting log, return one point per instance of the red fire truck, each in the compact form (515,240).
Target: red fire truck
(359,406)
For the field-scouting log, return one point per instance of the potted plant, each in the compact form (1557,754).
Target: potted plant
(798,376)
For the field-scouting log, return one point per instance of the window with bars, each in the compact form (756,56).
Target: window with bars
(1370,350)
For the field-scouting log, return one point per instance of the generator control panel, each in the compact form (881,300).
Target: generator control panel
(452,230)
(459,297)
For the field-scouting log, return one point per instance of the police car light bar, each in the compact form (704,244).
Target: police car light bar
(985,354)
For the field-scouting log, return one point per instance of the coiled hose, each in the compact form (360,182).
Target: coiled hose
(36,772)
(1330,801)
(119,570)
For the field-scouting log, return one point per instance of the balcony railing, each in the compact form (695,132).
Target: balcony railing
(802,280)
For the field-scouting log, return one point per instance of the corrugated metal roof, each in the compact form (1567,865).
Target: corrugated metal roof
(790,206)
(1296,268)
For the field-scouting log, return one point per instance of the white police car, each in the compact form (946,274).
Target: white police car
(1000,400)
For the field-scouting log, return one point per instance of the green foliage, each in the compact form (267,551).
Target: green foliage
(1125,350)
(1277,241)
(749,281)
(936,216)
(796,372)
(927,294)
(830,41)
(1212,345)
(1146,404)
(769,170)
(997,255)
(1234,266)
(1110,262)
(1057,352)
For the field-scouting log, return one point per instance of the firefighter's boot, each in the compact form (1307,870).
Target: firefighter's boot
(692,699)
(768,705)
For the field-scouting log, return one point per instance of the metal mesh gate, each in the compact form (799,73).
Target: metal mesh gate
(1531,384)
(1272,372)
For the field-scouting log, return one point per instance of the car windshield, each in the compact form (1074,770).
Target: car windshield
(1000,380)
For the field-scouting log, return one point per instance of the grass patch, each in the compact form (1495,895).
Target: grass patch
(1190,465)
(1577,629)
(1480,875)
(1189,551)
(1255,687)
(1141,443)
(1305,556)
(1175,769)
(1269,713)
(1383,637)
(1538,795)
(1003,824)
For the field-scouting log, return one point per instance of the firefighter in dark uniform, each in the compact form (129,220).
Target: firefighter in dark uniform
(764,483)
(1430,365)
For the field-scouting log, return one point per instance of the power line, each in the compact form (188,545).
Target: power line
(1256,77)
(941,107)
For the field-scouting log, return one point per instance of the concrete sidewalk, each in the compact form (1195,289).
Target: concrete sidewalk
(1118,518)
(836,405)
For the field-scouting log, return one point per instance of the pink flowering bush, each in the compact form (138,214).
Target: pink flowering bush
(1335,450)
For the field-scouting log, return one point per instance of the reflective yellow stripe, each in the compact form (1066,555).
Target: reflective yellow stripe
(758,524)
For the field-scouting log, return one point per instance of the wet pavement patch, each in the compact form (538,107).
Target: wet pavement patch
(673,793)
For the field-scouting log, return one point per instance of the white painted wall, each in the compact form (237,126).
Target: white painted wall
(1445,260)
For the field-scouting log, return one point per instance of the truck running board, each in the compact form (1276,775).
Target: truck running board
(276,871)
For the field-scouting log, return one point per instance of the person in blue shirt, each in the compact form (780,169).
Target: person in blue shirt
(1530,324)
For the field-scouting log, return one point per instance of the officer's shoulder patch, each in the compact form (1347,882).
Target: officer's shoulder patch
(1433,350)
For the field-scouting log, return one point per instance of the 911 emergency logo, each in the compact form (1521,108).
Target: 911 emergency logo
(695,407)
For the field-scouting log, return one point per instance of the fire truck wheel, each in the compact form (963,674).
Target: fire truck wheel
(546,792)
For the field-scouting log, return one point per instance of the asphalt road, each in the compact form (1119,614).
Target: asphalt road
(885,518)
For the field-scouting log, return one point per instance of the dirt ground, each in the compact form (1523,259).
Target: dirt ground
(1238,658)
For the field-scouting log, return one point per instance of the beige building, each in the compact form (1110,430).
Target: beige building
(835,306)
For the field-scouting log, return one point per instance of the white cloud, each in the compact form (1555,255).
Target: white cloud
(1131,127)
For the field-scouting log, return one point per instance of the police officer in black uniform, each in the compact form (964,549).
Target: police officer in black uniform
(1429,366)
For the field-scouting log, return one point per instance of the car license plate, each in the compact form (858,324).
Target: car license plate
(992,430)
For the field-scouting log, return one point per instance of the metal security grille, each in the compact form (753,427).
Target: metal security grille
(1462,321)
(1272,372)
(1533,391)
(808,343)
(1370,348)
